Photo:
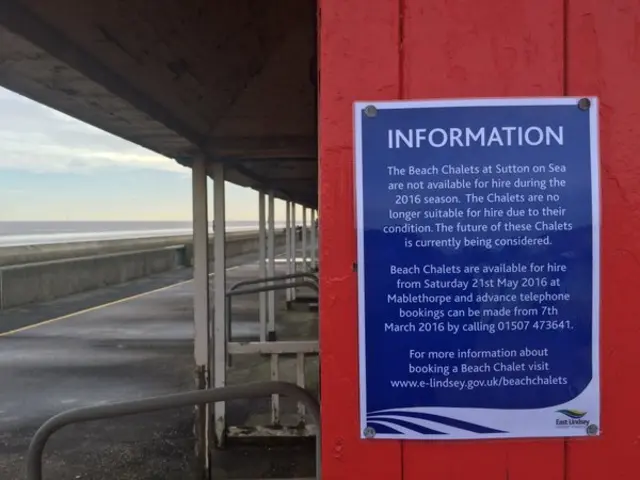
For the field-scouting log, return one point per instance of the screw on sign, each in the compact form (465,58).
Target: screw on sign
(370,111)
(584,104)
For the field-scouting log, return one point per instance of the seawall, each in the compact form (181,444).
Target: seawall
(39,273)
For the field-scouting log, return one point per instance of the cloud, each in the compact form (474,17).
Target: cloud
(39,139)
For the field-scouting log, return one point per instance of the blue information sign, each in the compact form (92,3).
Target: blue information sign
(478,266)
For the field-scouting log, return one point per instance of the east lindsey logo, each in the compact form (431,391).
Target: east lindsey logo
(571,418)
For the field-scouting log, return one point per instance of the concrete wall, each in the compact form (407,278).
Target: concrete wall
(44,272)
(58,251)
(237,244)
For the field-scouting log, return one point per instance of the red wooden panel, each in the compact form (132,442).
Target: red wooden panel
(464,48)
(358,60)
(603,41)
(467,48)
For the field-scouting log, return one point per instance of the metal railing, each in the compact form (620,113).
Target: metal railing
(167,402)
(310,276)
(298,348)
(276,278)
(265,288)
(275,349)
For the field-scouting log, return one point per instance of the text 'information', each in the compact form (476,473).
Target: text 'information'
(478,268)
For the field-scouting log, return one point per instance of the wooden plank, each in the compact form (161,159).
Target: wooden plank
(603,59)
(358,60)
(458,49)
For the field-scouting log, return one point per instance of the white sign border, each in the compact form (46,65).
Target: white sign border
(358,108)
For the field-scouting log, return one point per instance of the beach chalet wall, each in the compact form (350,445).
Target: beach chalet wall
(428,49)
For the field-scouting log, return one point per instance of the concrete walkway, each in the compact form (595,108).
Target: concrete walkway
(125,350)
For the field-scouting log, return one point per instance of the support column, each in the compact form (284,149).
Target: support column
(287,233)
(219,320)
(271,270)
(304,238)
(314,239)
(294,247)
(262,247)
(201,309)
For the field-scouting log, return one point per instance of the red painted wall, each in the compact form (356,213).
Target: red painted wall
(390,49)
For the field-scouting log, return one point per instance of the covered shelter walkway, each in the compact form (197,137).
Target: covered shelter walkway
(231,81)
(227,89)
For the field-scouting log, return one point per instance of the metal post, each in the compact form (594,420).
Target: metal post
(201,306)
(220,270)
(287,233)
(271,270)
(304,237)
(314,238)
(294,246)
(262,246)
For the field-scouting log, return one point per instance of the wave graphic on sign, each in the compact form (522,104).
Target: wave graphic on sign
(414,422)
(575,414)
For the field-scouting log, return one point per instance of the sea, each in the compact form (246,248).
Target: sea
(46,232)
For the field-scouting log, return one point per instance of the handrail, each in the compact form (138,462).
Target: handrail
(273,287)
(166,402)
(254,281)
(266,288)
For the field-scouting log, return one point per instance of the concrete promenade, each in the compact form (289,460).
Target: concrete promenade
(126,342)
(39,273)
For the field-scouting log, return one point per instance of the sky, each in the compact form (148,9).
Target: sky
(54,167)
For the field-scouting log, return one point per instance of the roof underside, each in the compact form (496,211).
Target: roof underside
(233,80)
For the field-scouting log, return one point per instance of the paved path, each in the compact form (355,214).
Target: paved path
(126,349)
